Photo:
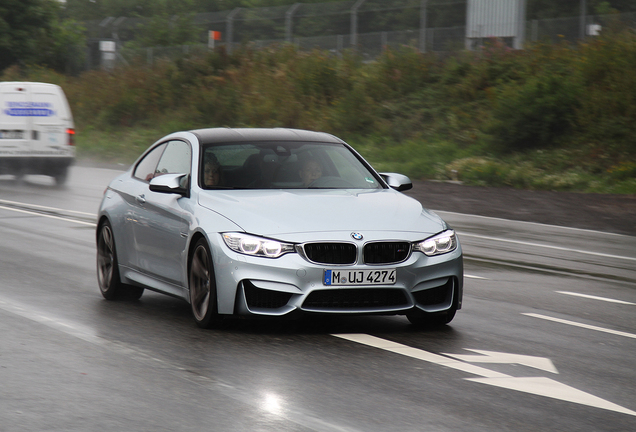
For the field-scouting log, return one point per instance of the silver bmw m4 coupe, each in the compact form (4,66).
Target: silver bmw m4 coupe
(274,222)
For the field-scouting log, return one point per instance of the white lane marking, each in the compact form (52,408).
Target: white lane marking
(45,207)
(577,324)
(535,385)
(595,297)
(48,216)
(474,277)
(546,246)
(530,223)
(71,328)
(542,386)
(541,363)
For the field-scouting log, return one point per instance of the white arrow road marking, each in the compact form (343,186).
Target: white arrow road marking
(498,357)
(552,389)
(419,354)
(538,386)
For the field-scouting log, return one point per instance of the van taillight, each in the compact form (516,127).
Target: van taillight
(71,136)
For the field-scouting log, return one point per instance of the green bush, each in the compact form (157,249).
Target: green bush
(548,117)
(535,114)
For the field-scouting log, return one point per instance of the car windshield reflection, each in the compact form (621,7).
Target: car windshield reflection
(283,166)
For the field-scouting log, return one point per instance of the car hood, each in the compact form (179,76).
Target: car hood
(278,212)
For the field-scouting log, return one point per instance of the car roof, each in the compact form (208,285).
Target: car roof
(224,135)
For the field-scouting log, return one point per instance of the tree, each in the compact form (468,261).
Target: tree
(24,26)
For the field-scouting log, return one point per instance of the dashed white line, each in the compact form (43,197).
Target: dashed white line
(442,212)
(577,324)
(474,277)
(35,206)
(592,297)
(546,246)
(47,216)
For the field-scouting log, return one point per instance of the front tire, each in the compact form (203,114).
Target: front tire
(108,278)
(202,284)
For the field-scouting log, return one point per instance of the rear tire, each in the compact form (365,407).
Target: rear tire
(61,176)
(108,278)
(202,284)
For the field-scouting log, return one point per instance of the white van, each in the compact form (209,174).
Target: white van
(36,130)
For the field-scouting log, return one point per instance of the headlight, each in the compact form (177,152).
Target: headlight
(438,244)
(256,246)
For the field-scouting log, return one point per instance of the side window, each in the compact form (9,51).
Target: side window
(175,159)
(146,167)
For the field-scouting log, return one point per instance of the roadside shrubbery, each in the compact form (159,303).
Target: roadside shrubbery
(548,117)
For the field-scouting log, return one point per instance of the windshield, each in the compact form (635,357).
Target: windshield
(283,166)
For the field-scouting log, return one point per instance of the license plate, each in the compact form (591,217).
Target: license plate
(359,277)
(11,134)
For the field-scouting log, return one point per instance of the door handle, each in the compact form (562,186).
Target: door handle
(141,199)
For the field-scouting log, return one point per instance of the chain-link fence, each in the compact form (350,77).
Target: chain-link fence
(368,26)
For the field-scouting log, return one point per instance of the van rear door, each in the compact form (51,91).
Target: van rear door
(52,122)
(14,125)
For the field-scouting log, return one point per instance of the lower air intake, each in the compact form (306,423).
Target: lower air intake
(348,299)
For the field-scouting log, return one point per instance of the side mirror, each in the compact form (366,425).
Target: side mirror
(397,181)
(171,184)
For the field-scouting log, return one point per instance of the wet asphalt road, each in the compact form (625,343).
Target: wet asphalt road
(546,340)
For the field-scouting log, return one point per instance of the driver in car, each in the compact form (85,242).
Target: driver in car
(310,172)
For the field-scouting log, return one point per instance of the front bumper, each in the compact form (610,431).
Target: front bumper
(290,284)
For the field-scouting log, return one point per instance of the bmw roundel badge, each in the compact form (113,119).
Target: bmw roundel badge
(356,236)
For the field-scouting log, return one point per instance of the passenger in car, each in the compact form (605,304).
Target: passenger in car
(310,171)
(211,171)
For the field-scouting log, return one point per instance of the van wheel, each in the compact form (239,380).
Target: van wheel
(61,176)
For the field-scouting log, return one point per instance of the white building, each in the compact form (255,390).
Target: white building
(502,19)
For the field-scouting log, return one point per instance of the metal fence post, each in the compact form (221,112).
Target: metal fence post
(354,22)
(289,19)
(520,40)
(582,19)
(423,4)
(230,29)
